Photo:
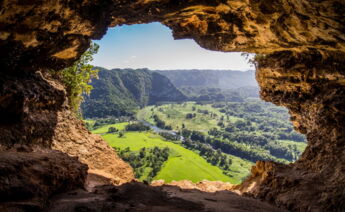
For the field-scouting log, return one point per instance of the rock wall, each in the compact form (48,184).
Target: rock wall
(30,31)
(72,138)
(28,179)
(36,116)
(312,86)
(302,68)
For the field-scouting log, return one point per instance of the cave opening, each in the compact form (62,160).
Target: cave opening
(205,103)
(46,150)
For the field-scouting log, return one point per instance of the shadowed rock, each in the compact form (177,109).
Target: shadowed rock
(28,179)
(302,69)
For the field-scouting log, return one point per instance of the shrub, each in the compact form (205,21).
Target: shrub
(112,130)
(76,78)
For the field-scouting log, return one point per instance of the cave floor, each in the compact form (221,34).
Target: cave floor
(137,196)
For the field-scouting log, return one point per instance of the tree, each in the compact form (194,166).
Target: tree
(121,134)
(189,116)
(220,124)
(112,130)
(198,136)
(240,124)
(138,126)
(230,128)
(76,78)
(142,152)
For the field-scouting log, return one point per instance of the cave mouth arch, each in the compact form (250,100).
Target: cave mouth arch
(302,70)
(207,78)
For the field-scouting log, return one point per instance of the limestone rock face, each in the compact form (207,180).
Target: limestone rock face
(312,87)
(302,68)
(72,138)
(31,31)
(28,109)
(28,179)
(204,185)
(36,115)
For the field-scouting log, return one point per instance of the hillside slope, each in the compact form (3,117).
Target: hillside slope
(118,92)
(211,78)
(214,85)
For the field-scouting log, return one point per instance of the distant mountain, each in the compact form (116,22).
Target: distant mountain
(211,78)
(119,92)
(214,85)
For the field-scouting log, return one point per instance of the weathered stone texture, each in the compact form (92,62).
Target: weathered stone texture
(28,179)
(302,43)
(312,87)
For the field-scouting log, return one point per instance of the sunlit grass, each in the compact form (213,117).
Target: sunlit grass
(104,129)
(182,163)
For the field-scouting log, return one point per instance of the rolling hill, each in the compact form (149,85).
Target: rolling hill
(119,92)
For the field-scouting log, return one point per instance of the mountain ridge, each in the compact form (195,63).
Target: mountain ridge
(119,92)
(221,79)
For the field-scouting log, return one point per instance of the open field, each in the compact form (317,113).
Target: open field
(182,163)
(261,130)
(175,115)
(104,129)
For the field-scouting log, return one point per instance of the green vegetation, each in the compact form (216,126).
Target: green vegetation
(181,163)
(147,163)
(252,130)
(121,92)
(112,130)
(137,126)
(299,146)
(217,134)
(105,128)
(174,115)
(77,77)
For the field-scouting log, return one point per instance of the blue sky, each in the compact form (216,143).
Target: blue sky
(152,46)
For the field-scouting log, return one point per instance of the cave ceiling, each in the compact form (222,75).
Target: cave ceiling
(30,30)
(300,65)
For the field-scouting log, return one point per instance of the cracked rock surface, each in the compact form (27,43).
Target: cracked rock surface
(301,66)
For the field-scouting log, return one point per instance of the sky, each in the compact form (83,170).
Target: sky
(152,46)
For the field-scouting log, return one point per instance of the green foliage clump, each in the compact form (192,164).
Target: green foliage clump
(77,77)
(112,130)
(182,163)
(137,126)
(170,136)
(121,92)
(147,163)
(160,123)
(252,130)
(121,134)
(190,115)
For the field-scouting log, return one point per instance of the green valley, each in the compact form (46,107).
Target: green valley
(253,130)
(189,124)
(182,163)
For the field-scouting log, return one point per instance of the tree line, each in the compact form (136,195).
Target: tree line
(147,162)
